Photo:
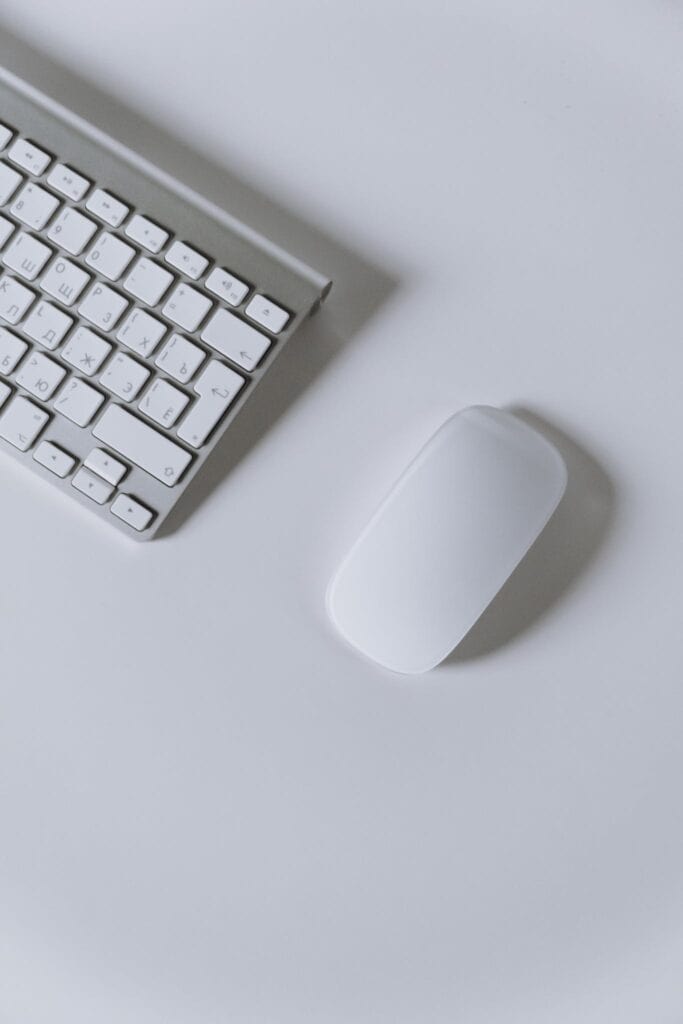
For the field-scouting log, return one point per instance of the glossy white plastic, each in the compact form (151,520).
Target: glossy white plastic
(447,536)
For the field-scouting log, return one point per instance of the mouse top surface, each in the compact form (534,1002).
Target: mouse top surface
(444,540)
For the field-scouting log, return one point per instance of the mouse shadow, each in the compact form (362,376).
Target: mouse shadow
(561,554)
(360,287)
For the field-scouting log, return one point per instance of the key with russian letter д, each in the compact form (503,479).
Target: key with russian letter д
(47,324)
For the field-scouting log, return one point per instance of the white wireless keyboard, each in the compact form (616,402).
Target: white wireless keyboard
(135,317)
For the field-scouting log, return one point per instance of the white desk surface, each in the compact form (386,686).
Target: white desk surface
(211,810)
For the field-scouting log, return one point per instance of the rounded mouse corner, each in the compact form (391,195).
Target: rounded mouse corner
(445,538)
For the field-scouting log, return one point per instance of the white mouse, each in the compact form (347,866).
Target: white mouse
(445,539)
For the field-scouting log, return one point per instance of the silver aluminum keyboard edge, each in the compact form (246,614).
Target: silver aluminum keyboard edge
(227,241)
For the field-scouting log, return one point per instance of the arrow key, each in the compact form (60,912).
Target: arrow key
(132,512)
(53,458)
(92,486)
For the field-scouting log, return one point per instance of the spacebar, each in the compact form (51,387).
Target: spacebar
(143,445)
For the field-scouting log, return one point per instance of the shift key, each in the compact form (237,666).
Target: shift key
(142,444)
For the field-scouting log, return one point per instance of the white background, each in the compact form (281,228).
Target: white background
(210,809)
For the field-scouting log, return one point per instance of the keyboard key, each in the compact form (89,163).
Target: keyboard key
(267,314)
(217,387)
(147,281)
(55,459)
(92,486)
(72,231)
(15,299)
(186,307)
(235,339)
(34,206)
(163,403)
(67,182)
(24,154)
(12,349)
(188,260)
(21,422)
(47,324)
(142,444)
(124,377)
(106,466)
(146,233)
(110,256)
(65,281)
(228,288)
(26,255)
(6,230)
(107,207)
(132,512)
(103,307)
(180,358)
(40,375)
(9,183)
(78,401)
(85,351)
(5,135)
(141,332)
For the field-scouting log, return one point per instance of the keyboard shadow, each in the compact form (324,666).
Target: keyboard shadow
(562,553)
(359,289)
